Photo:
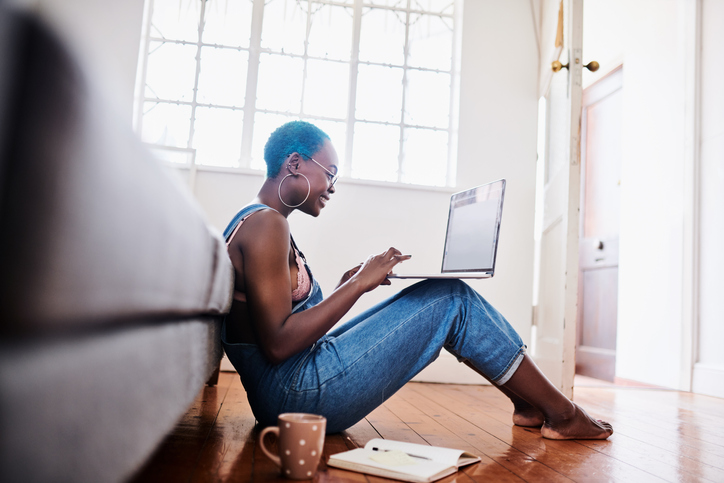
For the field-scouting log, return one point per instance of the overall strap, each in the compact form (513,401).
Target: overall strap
(296,248)
(243,213)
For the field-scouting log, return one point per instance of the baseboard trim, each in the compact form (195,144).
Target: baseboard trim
(447,370)
(226,365)
(708,379)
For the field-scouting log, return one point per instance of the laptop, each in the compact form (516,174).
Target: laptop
(473,227)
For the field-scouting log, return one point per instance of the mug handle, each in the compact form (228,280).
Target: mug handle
(264,432)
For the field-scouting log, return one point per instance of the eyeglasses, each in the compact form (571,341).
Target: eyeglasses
(332,177)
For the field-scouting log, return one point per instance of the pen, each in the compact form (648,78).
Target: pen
(408,454)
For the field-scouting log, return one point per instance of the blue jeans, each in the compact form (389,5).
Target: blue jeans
(354,368)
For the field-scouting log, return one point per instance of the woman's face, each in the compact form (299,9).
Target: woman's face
(320,179)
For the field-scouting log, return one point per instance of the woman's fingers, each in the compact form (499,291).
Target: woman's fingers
(376,268)
(395,256)
(391,253)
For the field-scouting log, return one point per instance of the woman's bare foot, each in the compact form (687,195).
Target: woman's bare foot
(577,424)
(527,416)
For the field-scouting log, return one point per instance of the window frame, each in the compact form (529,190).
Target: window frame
(249,109)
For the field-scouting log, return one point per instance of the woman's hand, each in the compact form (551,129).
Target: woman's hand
(373,272)
(348,274)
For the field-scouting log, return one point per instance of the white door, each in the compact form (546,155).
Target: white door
(558,271)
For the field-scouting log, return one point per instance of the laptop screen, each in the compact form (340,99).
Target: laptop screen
(473,226)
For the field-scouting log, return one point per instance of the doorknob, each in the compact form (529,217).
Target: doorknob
(593,66)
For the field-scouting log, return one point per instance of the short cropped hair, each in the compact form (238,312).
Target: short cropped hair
(293,137)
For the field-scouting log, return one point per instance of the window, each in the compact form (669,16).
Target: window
(379,76)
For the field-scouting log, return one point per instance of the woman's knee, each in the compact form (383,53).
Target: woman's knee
(452,286)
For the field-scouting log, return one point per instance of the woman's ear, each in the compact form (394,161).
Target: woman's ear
(292,163)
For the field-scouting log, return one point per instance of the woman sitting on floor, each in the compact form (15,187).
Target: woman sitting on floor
(276,334)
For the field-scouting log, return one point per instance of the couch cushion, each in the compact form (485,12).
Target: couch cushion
(93,408)
(94,229)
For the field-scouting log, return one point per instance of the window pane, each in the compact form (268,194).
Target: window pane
(430,42)
(387,3)
(382,37)
(166,124)
(171,71)
(376,148)
(228,22)
(285,26)
(331,32)
(437,6)
(427,101)
(337,132)
(379,93)
(222,79)
(264,125)
(280,83)
(217,136)
(176,20)
(325,92)
(425,157)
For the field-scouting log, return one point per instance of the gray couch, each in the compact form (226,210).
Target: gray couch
(112,284)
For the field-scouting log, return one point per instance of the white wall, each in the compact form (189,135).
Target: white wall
(709,370)
(498,135)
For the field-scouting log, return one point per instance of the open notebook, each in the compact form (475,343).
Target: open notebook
(403,461)
(471,240)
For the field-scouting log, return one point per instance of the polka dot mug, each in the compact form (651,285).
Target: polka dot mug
(301,441)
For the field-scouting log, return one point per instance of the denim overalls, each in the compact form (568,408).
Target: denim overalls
(358,365)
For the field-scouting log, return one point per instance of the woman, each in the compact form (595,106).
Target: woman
(276,334)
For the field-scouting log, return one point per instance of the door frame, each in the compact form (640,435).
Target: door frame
(555,347)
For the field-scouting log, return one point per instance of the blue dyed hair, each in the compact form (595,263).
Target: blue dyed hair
(293,137)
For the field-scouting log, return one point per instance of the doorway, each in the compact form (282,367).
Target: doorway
(599,227)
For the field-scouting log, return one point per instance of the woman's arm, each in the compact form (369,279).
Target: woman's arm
(281,334)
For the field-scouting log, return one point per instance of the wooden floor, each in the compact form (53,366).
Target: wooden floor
(660,435)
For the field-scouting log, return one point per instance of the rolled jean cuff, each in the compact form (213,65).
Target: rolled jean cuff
(508,373)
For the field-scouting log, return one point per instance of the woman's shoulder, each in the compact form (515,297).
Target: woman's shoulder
(266,224)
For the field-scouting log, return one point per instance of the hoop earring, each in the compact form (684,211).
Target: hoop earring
(309,190)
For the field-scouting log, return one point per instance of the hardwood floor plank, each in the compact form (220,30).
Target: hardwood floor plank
(693,456)
(661,463)
(333,444)
(264,469)
(361,433)
(390,426)
(425,426)
(484,443)
(643,452)
(228,453)
(661,410)
(437,434)
(612,407)
(176,457)
(660,436)
(568,458)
